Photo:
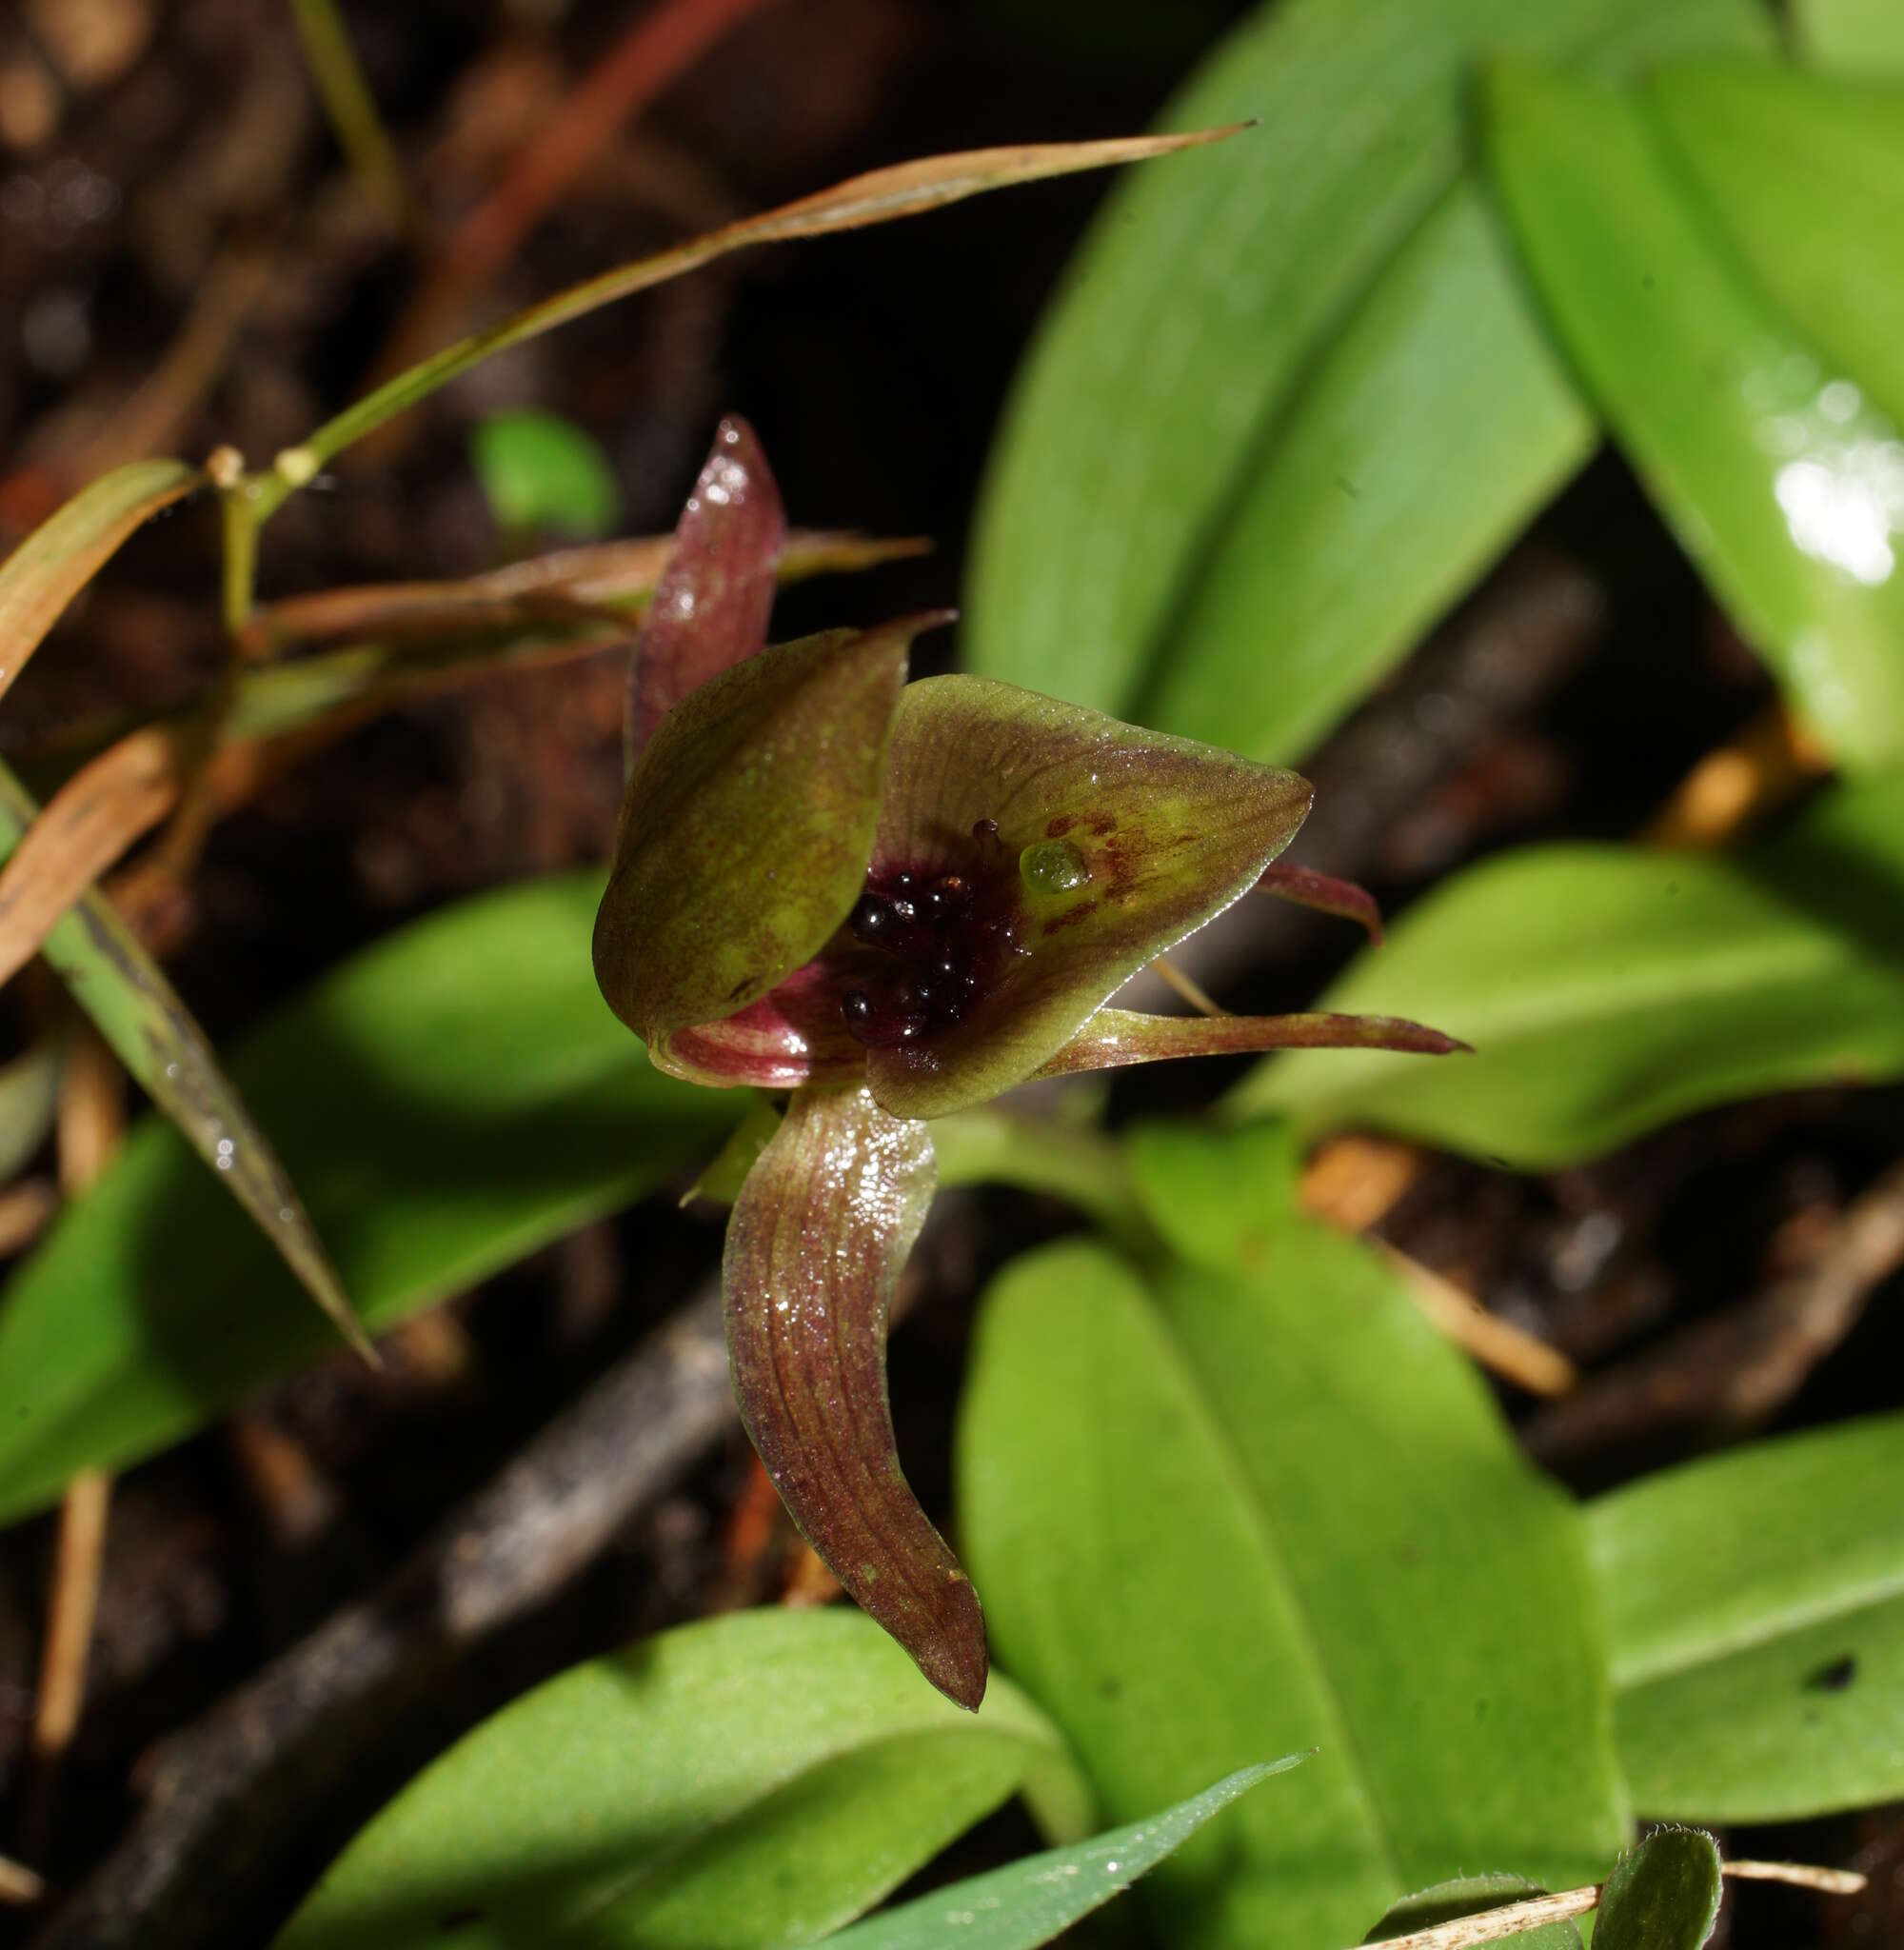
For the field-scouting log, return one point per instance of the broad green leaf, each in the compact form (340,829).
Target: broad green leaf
(1755,1604)
(734,1785)
(65,552)
(1806,176)
(1463,1897)
(1663,1895)
(1239,1515)
(1032,1901)
(1290,400)
(540,471)
(1608,990)
(1784,487)
(877,197)
(148,1027)
(449,1100)
(1427,434)
(1861,36)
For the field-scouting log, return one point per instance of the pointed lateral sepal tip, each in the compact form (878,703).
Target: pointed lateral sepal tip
(1115,1039)
(818,1237)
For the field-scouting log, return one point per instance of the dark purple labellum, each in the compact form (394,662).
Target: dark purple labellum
(939,940)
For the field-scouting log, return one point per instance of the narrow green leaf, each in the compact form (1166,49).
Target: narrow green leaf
(1663,1895)
(1248,1514)
(734,1784)
(1860,37)
(877,197)
(1165,525)
(65,552)
(540,471)
(1032,1901)
(1608,990)
(1425,437)
(155,1036)
(1464,1896)
(1806,176)
(449,1100)
(1783,484)
(1754,1602)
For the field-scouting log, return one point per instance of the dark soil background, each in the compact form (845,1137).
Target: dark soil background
(149,149)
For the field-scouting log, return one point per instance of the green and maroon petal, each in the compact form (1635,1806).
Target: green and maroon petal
(819,1234)
(1093,846)
(747,829)
(793,1035)
(1114,1038)
(711,606)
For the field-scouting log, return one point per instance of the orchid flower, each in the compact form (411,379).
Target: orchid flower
(894,901)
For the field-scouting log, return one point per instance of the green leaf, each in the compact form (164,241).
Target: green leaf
(1862,36)
(1425,437)
(449,1100)
(1464,1896)
(148,1027)
(540,471)
(734,1784)
(1754,1602)
(1608,990)
(1165,525)
(1663,1895)
(65,552)
(1242,1515)
(1782,484)
(1806,176)
(1030,1903)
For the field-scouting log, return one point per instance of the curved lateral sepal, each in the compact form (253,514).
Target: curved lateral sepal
(818,1237)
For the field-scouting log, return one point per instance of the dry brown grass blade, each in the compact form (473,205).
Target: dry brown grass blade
(572,586)
(877,197)
(83,829)
(65,552)
(661,44)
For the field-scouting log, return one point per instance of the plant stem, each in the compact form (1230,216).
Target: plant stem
(352,110)
(238,504)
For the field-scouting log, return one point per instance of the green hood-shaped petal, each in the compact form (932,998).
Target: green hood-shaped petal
(1106,844)
(747,827)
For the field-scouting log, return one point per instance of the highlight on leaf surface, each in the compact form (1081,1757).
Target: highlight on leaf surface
(820,1232)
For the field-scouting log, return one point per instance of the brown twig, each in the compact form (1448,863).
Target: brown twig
(661,45)
(91,1124)
(208,1848)
(1732,1372)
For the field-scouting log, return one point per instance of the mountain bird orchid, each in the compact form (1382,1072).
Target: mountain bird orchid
(894,901)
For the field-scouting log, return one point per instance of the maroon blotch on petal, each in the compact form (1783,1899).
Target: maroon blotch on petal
(818,1237)
(711,606)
